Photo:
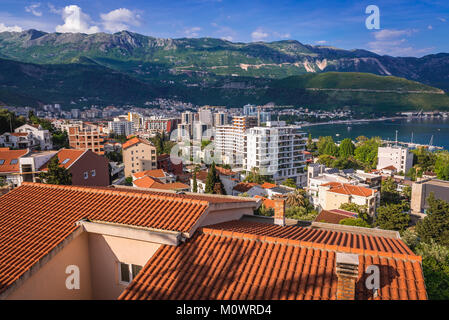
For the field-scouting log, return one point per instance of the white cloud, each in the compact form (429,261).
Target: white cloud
(259,35)
(192,32)
(53,9)
(442,19)
(33,9)
(75,20)
(429,27)
(387,34)
(228,38)
(321,42)
(4,28)
(119,19)
(394,43)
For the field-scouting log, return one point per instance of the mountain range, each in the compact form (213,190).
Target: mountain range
(128,67)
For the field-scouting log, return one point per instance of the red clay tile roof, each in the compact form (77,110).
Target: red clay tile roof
(389,168)
(244,186)
(268,203)
(349,189)
(134,141)
(201,175)
(63,154)
(267,185)
(225,172)
(334,216)
(149,182)
(20,134)
(8,155)
(156,173)
(220,264)
(35,218)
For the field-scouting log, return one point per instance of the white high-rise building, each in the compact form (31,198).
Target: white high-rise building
(399,157)
(277,151)
(122,128)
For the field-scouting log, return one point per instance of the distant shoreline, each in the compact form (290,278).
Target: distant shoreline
(353,121)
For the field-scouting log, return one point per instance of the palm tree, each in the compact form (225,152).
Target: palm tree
(297,198)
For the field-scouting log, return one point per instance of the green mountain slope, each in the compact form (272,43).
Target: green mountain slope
(88,83)
(204,59)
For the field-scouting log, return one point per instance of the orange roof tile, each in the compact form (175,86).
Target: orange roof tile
(134,141)
(35,218)
(267,185)
(9,155)
(393,168)
(349,189)
(218,264)
(225,172)
(334,216)
(244,186)
(19,134)
(268,203)
(149,182)
(66,158)
(156,173)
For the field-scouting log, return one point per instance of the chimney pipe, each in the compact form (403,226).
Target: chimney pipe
(347,269)
(279,211)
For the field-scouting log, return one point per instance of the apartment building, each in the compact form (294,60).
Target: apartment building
(27,136)
(399,157)
(230,140)
(138,155)
(162,125)
(87,137)
(122,128)
(333,194)
(10,167)
(123,247)
(220,119)
(277,151)
(422,189)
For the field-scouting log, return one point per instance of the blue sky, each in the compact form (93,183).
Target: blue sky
(407,28)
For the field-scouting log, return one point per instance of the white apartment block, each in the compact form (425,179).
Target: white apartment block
(123,128)
(399,157)
(27,137)
(277,150)
(229,144)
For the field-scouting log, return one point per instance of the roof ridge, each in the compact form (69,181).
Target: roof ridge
(307,244)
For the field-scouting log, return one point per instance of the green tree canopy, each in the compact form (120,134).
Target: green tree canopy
(289,183)
(361,210)
(392,217)
(327,146)
(56,173)
(355,222)
(366,151)
(435,226)
(346,149)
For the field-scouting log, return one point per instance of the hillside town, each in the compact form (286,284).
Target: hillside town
(125,195)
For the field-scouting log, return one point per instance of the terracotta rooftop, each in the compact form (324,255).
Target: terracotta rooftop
(20,134)
(393,168)
(334,216)
(66,158)
(9,156)
(244,186)
(222,262)
(268,203)
(225,172)
(156,173)
(267,185)
(134,141)
(349,189)
(149,182)
(35,218)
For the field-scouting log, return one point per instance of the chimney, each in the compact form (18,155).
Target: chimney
(347,268)
(279,211)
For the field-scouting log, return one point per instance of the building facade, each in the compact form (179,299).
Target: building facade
(138,155)
(87,137)
(399,157)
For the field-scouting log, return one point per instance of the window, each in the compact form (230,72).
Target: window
(86,175)
(13,161)
(127,272)
(65,161)
(2,161)
(93,173)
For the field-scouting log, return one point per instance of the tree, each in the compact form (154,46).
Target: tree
(326,159)
(297,198)
(392,217)
(355,222)
(389,193)
(212,179)
(326,145)
(345,163)
(9,121)
(264,211)
(366,151)
(407,192)
(311,146)
(194,183)
(289,183)
(442,165)
(255,177)
(435,226)
(346,149)
(128,181)
(361,210)
(56,174)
